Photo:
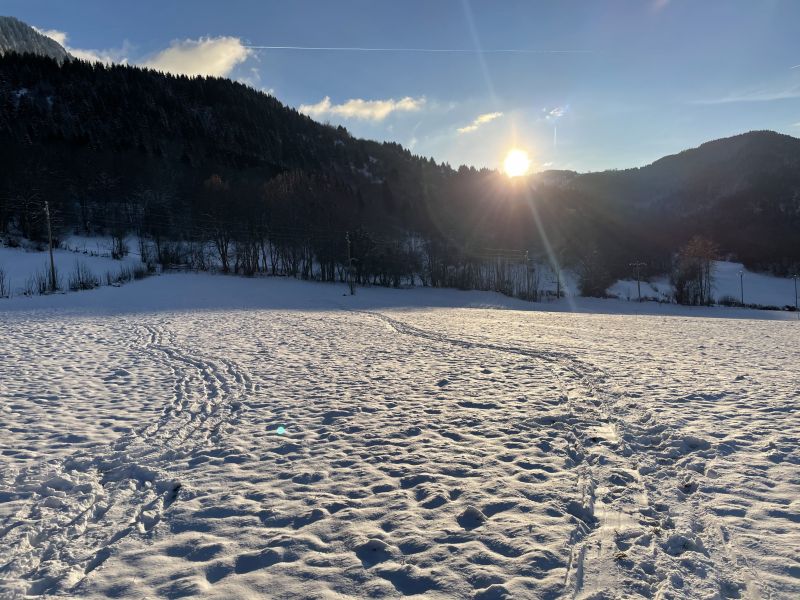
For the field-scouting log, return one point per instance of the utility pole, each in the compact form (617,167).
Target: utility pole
(637,266)
(741,286)
(557,272)
(350,281)
(50,244)
(795,276)
(527,276)
(558,282)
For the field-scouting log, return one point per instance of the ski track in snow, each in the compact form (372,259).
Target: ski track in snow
(78,507)
(449,453)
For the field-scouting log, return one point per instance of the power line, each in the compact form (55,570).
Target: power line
(418,50)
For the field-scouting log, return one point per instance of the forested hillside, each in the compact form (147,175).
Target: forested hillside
(194,162)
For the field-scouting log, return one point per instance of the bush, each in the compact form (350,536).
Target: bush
(124,275)
(119,249)
(729,301)
(127,274)
(140,272)
(82,278)
(5,286)
(39,283)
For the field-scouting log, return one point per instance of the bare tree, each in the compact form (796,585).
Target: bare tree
(693,271)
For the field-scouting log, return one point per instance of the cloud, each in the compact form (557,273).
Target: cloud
(478,121)
(556,113)
(54,34)
(755,95)
(357,108)
(205,56)
(253,80)
(108,56)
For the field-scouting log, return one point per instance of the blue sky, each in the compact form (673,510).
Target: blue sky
(628,82)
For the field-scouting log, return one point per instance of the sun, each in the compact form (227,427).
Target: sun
(516,163)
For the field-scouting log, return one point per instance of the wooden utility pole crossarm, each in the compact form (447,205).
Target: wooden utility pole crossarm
(637,266)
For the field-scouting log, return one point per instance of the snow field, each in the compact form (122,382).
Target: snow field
(449,452)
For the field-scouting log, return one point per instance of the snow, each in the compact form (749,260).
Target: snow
(759,288)
(228,437)
(20,264)
(16,36)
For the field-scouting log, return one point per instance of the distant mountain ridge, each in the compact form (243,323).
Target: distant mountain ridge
(742,191)
(724,165)
(19,37)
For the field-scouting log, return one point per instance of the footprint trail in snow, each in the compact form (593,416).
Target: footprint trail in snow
(447,453)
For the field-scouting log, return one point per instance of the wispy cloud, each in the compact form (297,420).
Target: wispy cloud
(480,120)
(205,56)
(755,95)
(54,34)
(358,108)
(108,55)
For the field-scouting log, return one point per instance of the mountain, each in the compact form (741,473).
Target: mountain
(16,36)
(743,192)
(179,160)
(694,179)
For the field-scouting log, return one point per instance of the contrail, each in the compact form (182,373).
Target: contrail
(417,50)
(795,67)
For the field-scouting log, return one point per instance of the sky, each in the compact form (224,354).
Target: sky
(578,85)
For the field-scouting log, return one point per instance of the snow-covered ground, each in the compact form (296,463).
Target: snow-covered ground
(757,288)
(21,264)
(205,435)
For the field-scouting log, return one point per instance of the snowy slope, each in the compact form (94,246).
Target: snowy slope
(16,36)
(759,288)
(20,264)
(199,435)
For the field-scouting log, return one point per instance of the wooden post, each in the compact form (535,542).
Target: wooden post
(350,281)
(741,286)
(558,282)
(50,244)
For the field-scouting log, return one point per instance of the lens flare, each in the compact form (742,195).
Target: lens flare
(280,430)
(516,163)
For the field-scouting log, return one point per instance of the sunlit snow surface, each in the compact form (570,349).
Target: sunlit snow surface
(198,435)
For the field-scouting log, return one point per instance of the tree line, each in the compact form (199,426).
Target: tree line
(197,164)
